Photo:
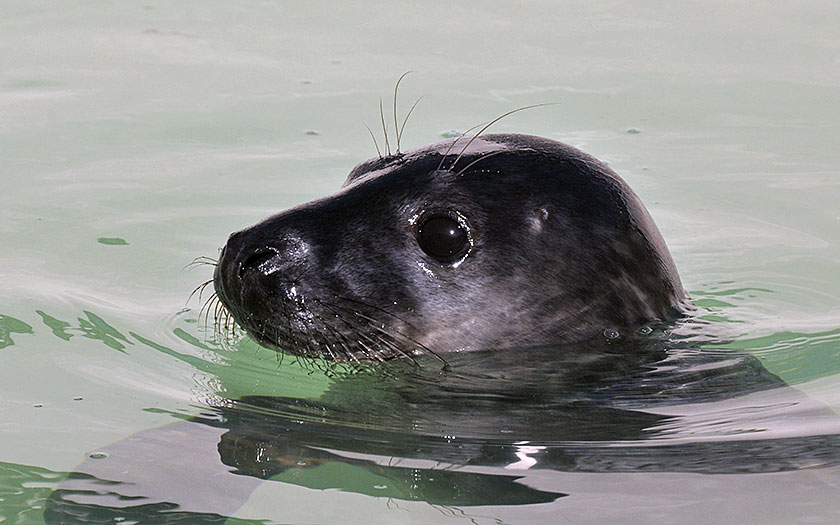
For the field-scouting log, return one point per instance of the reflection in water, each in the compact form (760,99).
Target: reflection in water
(60,510)
(8,326)
(466,435)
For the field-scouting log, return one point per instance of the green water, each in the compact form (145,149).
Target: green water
(135,137)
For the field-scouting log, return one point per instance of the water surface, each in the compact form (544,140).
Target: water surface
(135,137)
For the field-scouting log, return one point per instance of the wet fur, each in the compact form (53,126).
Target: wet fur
(562,250)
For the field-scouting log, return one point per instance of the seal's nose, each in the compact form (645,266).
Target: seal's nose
(260,263)
(263,260)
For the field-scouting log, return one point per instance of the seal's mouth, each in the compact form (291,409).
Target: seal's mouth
(339,331)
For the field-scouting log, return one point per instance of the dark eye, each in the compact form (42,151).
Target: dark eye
(443,238)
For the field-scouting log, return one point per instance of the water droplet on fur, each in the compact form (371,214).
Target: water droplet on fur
(645,330)
(611,333)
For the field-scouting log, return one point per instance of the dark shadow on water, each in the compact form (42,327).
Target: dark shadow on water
(61,510)
(461,437)
(595,408)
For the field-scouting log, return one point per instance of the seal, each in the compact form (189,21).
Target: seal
(497,241)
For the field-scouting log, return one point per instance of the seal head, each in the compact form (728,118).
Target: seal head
(516,241)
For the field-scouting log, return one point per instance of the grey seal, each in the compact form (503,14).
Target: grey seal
(497,241)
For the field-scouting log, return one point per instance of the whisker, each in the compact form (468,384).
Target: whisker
(395,348)
(384,127)
(471,164)
(340,338)
(205,259)
(205,308)
(375,144)
(500,117)
(334,309)
(420,346)
(320,343)
(289,326)
(446,153)
(370,352)
(373,307)
(211,304)
(200,289)
(278,354)
(230,324)
(395,334)
(302,346)
(322,335)
(263,329)
(396,123)
(410,111)
(201,261)
(217,327)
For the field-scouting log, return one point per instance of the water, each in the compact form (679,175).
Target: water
(135,137)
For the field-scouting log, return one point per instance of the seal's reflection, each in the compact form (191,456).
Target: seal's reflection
(464,437)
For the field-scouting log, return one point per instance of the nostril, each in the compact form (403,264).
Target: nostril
(263,260)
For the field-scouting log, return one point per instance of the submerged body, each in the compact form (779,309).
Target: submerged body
(495,242)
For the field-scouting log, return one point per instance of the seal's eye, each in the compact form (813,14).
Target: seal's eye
(443,238)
